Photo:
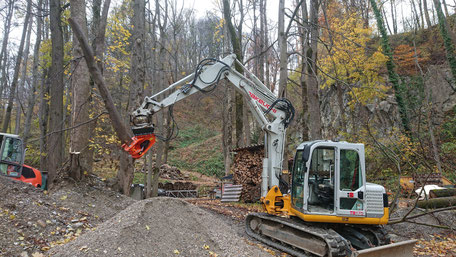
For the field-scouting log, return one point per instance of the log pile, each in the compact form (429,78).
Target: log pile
(177,186)
(170,172)
(247,168)
(439,198)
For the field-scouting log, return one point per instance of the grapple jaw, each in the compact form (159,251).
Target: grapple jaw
(140,145)
(144,137)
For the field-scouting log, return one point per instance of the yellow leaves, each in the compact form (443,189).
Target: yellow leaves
(147,227)
(63,198)
(12,217)
(176,252)
(349,62)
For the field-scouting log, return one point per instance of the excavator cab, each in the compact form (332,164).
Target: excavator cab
(329,179)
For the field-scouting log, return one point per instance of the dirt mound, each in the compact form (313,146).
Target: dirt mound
(32,221)
(161,227)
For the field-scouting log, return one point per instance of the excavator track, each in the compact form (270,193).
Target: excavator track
(295,237)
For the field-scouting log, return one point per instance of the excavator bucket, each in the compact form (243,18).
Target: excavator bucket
(401,249)
(140,145)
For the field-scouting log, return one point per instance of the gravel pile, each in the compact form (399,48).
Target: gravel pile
(161,227)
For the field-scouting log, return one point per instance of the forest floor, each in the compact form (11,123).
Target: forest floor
(89,219)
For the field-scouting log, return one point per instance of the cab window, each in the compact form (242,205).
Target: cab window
(350,173)
(297,191)
(12,151)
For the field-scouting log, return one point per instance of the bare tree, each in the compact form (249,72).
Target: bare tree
(20,52)
(80,87)
(162,19)
(4,51)
(313,101)
(35,75)
(235,36)
(426,14)
(55,142)
(137,74)
(21,87)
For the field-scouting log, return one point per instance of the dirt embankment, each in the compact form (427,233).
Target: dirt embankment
(34,222)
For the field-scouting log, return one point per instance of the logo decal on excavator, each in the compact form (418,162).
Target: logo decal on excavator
(357,213)
(261,101)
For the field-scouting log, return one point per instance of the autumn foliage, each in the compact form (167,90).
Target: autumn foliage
(347,59)
(406,58)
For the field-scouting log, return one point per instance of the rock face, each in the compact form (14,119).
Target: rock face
(438,85)
(160,227)
(383,114)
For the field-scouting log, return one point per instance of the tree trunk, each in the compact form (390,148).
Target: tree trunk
(137,74)
(17,127)
(436,193)
(445,8)
(436,203)
(44,120)
(4,52)
(236,43)
(415,13)
(313,102)
(55,141)
(20,51)
(162,24)
(420,4)
(394,15)
(227,136)
(303,34)
(36,60)
(426,14)
(80,86)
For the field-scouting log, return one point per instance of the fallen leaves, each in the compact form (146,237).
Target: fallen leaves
(439,245)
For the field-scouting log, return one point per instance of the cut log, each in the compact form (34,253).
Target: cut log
(437,202)
(436,193)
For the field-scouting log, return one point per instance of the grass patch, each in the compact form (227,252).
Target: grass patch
(192,135)
(212,166)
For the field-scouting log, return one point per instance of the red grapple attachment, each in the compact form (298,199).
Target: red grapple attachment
(140,145)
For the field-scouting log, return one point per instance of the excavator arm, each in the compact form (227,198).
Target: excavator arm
(273,114)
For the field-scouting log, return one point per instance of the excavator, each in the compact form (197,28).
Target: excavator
(329,209)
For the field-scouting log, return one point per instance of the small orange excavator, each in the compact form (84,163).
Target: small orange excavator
(12,154)
(329,209)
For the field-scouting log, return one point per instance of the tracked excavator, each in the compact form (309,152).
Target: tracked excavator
(329,209)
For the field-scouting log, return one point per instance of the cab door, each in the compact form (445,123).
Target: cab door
(350,199)
(297,182)
(11,156)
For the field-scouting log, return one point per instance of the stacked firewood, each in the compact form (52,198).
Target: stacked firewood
(247,168)
(170,172)
(177,186)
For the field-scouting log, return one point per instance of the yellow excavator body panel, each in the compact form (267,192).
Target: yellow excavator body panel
(342,219)
(276,203)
